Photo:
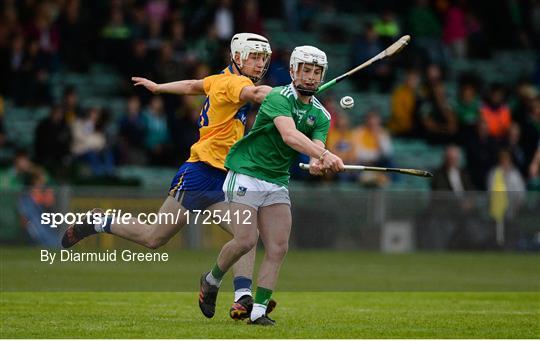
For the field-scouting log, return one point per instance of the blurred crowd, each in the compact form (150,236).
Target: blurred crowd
(167,40)
(485,120)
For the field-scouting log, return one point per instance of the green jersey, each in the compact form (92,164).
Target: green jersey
(262,153)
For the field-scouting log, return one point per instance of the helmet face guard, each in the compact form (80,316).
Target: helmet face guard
(245,44)
(302,90)
(309,55)
(241,68)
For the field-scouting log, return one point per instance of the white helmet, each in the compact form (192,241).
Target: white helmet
(246,43)
(307,55)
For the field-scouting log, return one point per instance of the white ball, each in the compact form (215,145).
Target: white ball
(347,102)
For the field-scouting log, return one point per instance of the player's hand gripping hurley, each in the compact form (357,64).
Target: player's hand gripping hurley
(407,171)
(390,51)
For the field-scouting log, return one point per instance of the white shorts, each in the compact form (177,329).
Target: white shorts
(247,190)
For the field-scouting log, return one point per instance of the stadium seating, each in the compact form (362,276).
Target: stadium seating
(101,86)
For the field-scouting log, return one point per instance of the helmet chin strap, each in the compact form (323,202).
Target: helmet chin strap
(253,79)
(237,67)
(305,91)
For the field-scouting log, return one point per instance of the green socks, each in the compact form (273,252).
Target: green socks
(262,296)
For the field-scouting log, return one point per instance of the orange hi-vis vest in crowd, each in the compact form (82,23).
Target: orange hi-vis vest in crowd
(498,120)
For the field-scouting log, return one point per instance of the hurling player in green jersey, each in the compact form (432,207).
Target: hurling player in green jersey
(290,120)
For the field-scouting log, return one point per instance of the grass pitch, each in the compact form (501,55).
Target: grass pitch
(320,295)
(299,315)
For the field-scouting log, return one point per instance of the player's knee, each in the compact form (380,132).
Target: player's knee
(246,244)
(277,251)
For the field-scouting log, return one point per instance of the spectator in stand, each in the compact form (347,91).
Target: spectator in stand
(131,130)
(530,129)
(32,203)
(37,91)
(70,104)
(467,109)
(450,176)
(168,68)
(18,73)
(156,133)
(496,113)
(535,22)
(534,170)
(10,20)
(138,21)
(340,139)
(433,75)
(140,63)
(404,105)
(278,71)
(157,10)
(208,50)
(74,35)
(525,93)
(478,44)
(250,19)
(224,21)
(373,147)
(330,103)
(178,42)
(425,27)
(507,193)
(451,211)
(15,177)
(28,72)
(7,147)
(39,191)
(520,35)
(423,21)
(186,130)
(380,73)
(438,118)
(291,11)
(52,142)
(116,35)
(90,145)
(514,148)
(387,28)
(455,29)
(481,151)
(43,30)
(154,35)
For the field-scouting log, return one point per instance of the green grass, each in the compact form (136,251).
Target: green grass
(299,315)
(302,271)
(321,294)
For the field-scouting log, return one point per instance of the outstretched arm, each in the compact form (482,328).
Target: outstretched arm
(185,87)
(254,93)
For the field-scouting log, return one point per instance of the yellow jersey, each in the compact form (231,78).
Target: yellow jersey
(222,119)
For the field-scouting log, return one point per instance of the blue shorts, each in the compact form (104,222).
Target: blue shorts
(197,185)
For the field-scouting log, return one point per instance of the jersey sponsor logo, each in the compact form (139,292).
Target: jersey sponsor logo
(310,120)
(241,191)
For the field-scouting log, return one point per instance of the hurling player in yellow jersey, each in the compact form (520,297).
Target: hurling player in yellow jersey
(199,181)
